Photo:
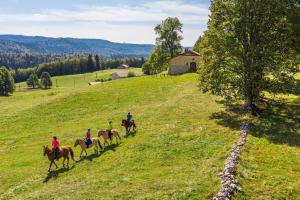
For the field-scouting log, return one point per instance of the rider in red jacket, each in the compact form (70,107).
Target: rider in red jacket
(88,140)
(55,146)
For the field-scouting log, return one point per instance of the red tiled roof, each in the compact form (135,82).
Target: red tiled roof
(189,53)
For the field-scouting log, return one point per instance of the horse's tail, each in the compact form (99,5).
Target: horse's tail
(100,144)
(133,123)
(71,152)
(118,135)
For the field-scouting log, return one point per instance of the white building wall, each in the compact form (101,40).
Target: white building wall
(181,64)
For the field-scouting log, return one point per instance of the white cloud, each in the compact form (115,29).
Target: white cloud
(118,23)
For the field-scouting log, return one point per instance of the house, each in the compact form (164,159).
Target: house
(185,62)
(123,66)
(118,75)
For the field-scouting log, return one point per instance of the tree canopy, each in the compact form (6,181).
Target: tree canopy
(33,81)
(46,81)
(247,49)
(7,84)
(169,36)
(157,62)
(167,45)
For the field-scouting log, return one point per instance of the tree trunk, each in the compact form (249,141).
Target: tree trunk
(250,107)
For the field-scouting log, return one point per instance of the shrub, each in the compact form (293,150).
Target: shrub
(33,81)
(131,74)
(46,80)
(7,83)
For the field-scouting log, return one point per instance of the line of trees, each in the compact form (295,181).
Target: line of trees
(26,60)
(75,66)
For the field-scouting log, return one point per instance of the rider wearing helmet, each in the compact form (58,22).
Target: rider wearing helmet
(129,117)
(55,147)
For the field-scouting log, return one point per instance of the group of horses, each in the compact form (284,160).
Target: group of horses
(65,151)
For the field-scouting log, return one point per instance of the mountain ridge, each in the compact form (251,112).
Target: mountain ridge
(41,44)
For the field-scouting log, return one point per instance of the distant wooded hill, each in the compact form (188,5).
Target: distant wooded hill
(38,44)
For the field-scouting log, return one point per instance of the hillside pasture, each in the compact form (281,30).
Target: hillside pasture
(176,153)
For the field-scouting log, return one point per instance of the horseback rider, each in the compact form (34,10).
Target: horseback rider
(55,147)
(88,140)
(109,128)
(129,118)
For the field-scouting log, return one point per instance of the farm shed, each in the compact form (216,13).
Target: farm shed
(185,62)
(118,75)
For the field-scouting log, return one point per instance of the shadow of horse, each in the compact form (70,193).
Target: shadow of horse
(131,133)
(55,174)
(111,147)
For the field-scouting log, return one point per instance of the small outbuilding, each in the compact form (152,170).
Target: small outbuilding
(118,75)
(123,66)
(185,62)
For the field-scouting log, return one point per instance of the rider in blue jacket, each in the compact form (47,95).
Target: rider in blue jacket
(129,117)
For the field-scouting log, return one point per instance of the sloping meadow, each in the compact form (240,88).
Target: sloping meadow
(177,151)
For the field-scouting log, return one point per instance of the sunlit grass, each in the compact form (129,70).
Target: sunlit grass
(177,152)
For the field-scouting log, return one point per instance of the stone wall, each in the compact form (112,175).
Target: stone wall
(230,184)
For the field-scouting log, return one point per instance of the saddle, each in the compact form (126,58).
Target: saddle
(56,152)
(88,142)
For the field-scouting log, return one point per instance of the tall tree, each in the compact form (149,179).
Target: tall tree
(97,59)
(90,63)
(7,84)
(46,81)
(246,46)
(169,36)
(167,45)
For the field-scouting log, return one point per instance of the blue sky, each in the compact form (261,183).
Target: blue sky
(120,21)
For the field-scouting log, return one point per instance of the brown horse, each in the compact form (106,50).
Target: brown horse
(64,152)
(95,143)
(104,134)
(128,125)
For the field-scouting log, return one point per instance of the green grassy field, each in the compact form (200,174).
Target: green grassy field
(176,153)
(181,144)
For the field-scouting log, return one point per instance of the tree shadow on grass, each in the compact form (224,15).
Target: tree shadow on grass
(279,122)
(55,174)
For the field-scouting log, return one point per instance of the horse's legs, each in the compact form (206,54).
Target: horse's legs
(85,152)
(117,141)
(81,153)
(68,160)
(50,166)
(55,164)
(64,161)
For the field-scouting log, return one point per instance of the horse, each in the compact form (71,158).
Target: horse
(64,152)
(104,134)
(95,143)
(128,125)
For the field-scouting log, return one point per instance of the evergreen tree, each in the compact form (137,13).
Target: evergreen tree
(7,84)
(246,49)
(97,59)
(33,81)
(90,63)
(46,81)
